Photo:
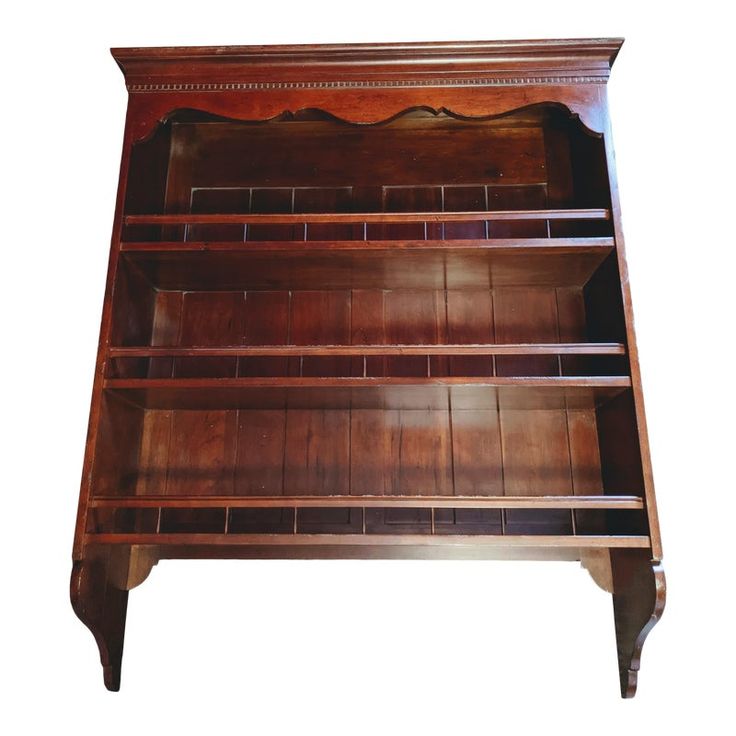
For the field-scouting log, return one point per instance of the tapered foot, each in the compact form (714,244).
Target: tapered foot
(101,607)
(638,603)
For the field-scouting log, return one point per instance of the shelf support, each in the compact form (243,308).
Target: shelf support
(638,603)
(598,564)
(130,566)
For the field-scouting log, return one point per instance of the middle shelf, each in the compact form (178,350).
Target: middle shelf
(361,264)
(474,367)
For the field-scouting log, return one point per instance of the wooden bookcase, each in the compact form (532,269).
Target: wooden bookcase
(368,301)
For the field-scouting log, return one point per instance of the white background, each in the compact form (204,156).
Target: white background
(364,647)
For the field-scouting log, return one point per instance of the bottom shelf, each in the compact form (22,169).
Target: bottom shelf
(450,476)
(452,451)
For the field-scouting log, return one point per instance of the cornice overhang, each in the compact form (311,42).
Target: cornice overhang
(355,66)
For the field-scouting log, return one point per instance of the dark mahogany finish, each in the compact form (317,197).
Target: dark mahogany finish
(368,301)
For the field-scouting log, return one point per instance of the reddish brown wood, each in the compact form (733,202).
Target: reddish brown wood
(369,217)
(538,501)
(350,381)
(291,266)
(521,246)
(336,540)
(368,301)
(638,603)
(102,607)
(423,349)
(470,78)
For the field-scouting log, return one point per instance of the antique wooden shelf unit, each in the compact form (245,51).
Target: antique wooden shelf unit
(368,301)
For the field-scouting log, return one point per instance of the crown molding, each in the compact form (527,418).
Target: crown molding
(355,66)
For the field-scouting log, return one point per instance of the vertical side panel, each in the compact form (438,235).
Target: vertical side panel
(621,462)
(180,178)
(571,315)
(115,466)
(584,451)
(166,331)
(133,307)
(586,466)
(559,166)
(91,445)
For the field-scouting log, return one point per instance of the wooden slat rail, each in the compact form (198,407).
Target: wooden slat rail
(285,350)
(500,246)
(313,501)
(368,217)
(369,540)
(353,382)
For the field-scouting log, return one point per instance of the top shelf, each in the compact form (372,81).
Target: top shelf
(365,249)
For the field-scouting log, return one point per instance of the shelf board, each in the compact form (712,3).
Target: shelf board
(520,392)
(368,501)
(361,350)
(377,264)
(367,217)
(395,540)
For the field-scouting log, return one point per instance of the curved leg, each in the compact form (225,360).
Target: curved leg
(101,607)
(638,602)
